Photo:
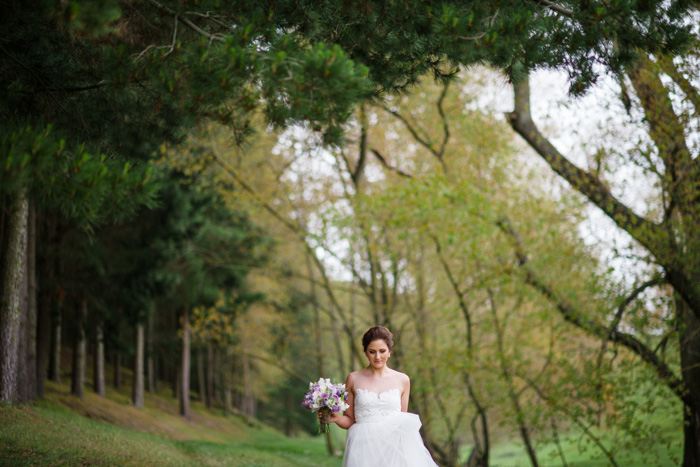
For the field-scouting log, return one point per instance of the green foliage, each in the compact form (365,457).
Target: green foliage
(217,250)
(84,188)
(402,41)
(94,18)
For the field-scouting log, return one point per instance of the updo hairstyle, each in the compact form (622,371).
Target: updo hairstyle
(376,333)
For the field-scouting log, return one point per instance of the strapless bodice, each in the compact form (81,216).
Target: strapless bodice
(368,403)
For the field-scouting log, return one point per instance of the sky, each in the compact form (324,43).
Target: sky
(578,127)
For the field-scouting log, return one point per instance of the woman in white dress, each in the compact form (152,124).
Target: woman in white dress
(380,430)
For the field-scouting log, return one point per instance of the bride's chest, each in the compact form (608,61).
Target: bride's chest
(368,403)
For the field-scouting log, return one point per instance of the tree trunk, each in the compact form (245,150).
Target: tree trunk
(44,301)
(228,407)
(117,370)
(480,452)
(512,393)
(218,395)
(200,376)
(150,357)
(318,337)
(185,370)
(99,361)
(30,364)
(79,352)
(43,341)
(137,394)
(22,382)
(211,369)
(56,331)
(177,390)
(340,355)
(690,368)
(157,371)
(248,397)
(13,251)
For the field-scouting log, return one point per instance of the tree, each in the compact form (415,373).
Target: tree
(470,218)
(40,105)
(14,236)
(667,230)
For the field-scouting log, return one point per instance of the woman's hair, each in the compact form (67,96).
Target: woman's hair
(375,333)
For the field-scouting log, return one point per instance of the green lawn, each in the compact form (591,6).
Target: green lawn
(658,441)
(62,430)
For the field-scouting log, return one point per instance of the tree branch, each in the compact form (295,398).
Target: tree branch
(458,292)
(358,174)
(554,7)
(592,187)
(391,168)
(79,88)
(426,143)
(664,128)
(187,22)
(301,235)
(446,129)
(647,233)
(563,409)
(575,317)
(654,281)
(276,364)
(684,83)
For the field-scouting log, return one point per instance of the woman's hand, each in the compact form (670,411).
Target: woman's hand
(334,417)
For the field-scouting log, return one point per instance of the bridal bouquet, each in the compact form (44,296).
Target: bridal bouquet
(326,397)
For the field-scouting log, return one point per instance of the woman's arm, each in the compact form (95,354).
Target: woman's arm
(405,394)
(347,419)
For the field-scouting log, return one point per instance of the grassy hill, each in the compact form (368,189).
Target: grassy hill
(63,430)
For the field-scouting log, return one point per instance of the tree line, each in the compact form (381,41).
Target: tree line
(100,238)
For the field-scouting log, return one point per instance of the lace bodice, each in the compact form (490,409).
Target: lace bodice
(368,403)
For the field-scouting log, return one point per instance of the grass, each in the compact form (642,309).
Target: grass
(659,442)
(64,430)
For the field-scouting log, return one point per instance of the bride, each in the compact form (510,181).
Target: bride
(380,430)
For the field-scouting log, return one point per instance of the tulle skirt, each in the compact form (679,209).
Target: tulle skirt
(387,441)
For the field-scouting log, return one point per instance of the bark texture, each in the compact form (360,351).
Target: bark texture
(690,369)
(200,377)
(150,357)
(210,375)
(138,389)
(56,332)
(44,304)
(80,352)
(13,254)
(185,369)
(99,362)
(30,363)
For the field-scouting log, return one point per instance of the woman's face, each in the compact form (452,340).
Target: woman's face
(377,352)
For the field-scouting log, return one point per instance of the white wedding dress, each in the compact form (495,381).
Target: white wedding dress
(382,435)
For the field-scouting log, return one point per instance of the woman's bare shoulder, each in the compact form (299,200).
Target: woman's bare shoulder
(403,379)
(352,378)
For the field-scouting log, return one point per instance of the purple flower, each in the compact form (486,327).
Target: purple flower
(325,394)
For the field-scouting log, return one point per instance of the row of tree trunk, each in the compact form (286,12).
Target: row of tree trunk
(33,334)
